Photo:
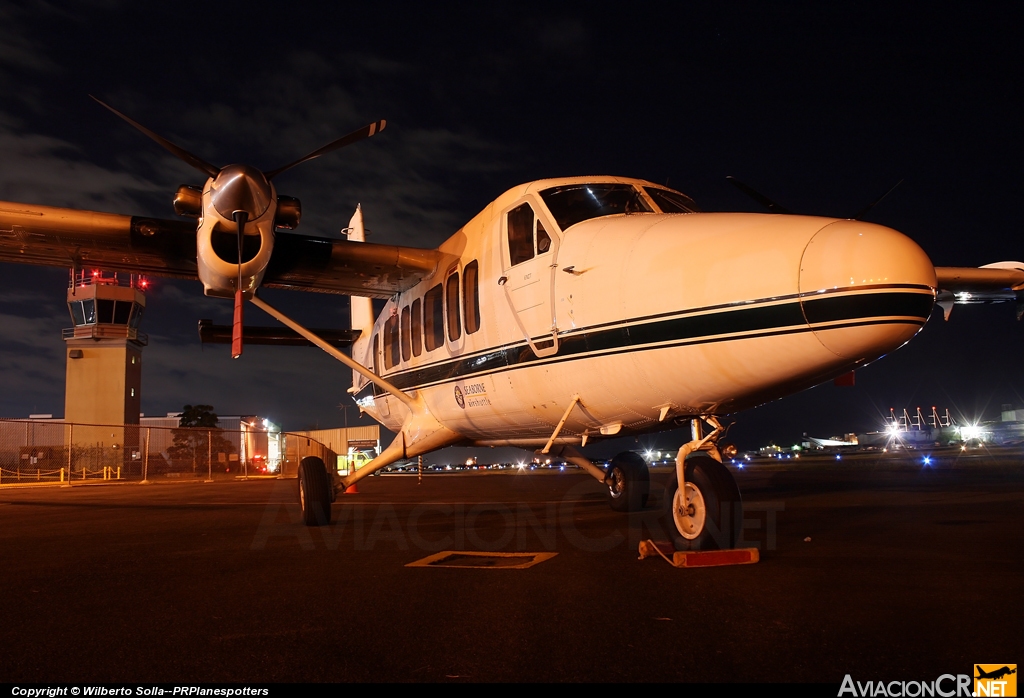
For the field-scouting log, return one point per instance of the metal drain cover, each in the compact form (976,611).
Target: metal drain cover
(481,560)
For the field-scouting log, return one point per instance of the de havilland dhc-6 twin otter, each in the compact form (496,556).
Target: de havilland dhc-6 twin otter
(568,310)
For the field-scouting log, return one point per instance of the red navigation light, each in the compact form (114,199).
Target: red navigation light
(95,272)
(143,283)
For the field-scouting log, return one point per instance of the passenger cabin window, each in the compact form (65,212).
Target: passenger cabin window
(417,328)
(451,292)
(575,203)
(471,293)
(376,351)
(391,350)
(406,333)
(433,318)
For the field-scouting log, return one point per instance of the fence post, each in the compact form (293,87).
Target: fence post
(38,476)
(145,459)
(209,456)
(119,472)
(71,445)
(62,475)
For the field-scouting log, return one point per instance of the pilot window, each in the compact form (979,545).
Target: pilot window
(391,352)
(543,239)
(574,203)
(417,328)
(376,350)
(406,334)
(433,318)
(451,292)
(520,234)
(471,296)
(672,201)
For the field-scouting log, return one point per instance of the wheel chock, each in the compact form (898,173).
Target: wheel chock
(703,558)
(352,489)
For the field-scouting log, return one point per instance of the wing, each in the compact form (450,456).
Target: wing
(993,283)
(62,237)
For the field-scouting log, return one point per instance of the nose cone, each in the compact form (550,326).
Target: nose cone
(240,188)
(865,289)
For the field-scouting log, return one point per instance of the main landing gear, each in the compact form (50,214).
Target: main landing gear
(629,482)
(315,492)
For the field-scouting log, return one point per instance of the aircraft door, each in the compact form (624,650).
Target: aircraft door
(529,254)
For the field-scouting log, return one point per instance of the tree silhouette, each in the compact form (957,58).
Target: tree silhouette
(197,436)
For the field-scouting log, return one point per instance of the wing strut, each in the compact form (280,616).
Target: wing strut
(336,353)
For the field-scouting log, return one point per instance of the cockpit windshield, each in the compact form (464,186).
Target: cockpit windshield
(572,203)
(671,201)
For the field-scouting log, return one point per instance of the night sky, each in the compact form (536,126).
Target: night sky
(822,107)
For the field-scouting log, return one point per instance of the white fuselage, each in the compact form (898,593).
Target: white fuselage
(648,317)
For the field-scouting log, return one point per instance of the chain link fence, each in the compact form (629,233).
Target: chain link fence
(54,451)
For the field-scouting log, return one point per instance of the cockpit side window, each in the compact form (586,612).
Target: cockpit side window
(520,234)
(573,203)
(672,201)
(543,239)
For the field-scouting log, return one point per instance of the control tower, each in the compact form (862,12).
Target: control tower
(104,355)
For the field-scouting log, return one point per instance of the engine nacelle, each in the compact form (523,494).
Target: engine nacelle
(217,232)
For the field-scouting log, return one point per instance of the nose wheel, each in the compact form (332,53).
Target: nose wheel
(706,514)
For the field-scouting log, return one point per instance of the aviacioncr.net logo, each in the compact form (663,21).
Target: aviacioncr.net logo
(945,686)
(995,680)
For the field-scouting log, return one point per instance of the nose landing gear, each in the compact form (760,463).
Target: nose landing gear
(702,509)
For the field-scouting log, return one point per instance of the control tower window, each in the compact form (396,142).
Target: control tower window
(573,203)
(104,310)
(122,312)
(77,315)
(136,317)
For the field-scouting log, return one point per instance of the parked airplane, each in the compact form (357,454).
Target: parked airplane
(568,310)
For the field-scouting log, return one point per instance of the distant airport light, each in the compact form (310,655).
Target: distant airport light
(838,457)
(927,460)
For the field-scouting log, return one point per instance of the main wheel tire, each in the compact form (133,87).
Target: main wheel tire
(314,492)
(709,516)
(629,482)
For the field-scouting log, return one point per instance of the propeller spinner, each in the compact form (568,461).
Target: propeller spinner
(239,202)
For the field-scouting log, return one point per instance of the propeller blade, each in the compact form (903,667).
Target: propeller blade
(236,325)
(758,197)
(864,211)
(365,132)
(182,154)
